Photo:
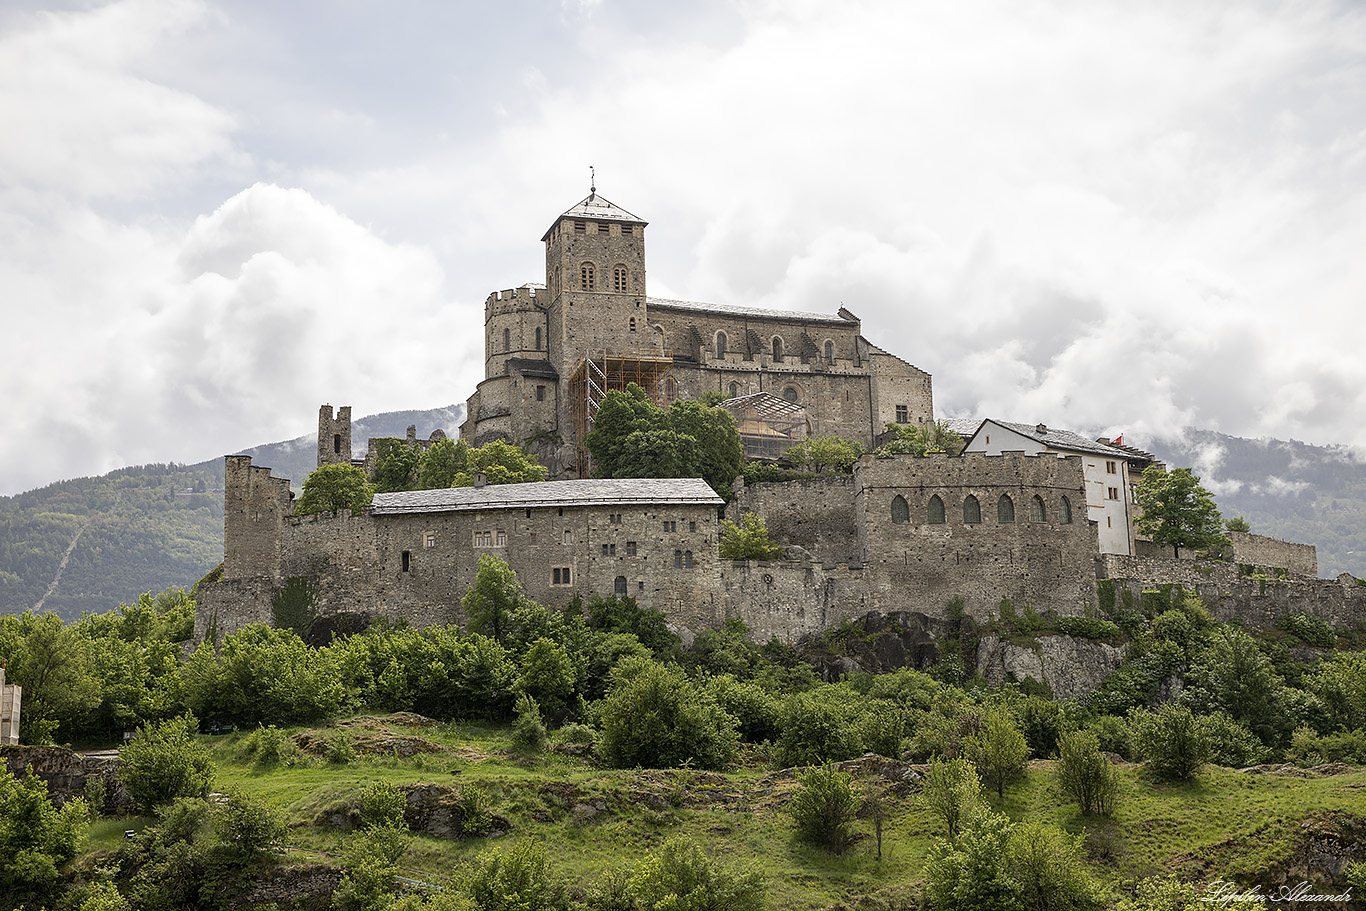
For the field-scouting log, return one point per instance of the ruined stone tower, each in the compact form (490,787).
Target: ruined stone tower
(334,436)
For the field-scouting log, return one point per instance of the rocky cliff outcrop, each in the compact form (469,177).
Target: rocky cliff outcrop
(67,773)
(1071,667)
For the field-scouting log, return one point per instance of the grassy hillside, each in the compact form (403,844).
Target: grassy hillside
(1248,828)
(144,528)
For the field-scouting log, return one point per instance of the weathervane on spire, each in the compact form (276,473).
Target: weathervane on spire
(592,181)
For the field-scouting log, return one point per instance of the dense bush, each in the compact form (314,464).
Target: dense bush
(658,718)
(998,750)
(1085,774)
(756,712)
(263,676)
(528,731)
(1230,743)
(824,808)
(36,838)
(817,728)
(516,877)
(953,792)
(1171,741)
(1308,629)
(680,877)
(1088,627)
(164,762)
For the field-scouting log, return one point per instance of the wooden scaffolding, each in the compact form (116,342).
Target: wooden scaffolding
(603,371)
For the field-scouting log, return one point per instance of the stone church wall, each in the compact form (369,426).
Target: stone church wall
(816,515)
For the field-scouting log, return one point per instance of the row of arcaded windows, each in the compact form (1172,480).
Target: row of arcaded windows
(972,510)
(722,342)
(588,279)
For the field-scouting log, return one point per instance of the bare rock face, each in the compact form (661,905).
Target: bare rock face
(1071,667)
(878,643)
(66,773)
(435,810)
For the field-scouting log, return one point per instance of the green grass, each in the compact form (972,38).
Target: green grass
(1222,825)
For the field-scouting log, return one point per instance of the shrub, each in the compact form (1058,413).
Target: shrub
(577,733)
(340,749)
(657,718)
(105,897)
(1170,741)
(881,727)
(1088,627)
(476,813)
(548,676)
(382,806)
(1308,748)
(1112,735)
(1085,774)
(245,828)
(756,712)
(748,540)
(269,746)
(1308,629)
(1230,743)
(681,877)
(528,731)
(1041,723)
(824,808)
(35,837)
(1047,865)
(165,761)
(514,878)
(816,729)
(371,865)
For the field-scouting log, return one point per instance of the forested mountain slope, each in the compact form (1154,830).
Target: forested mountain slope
(1288,490)
(108,539)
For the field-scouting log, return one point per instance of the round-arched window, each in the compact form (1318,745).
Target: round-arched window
(830,352)
(720,345)
(619,586)
(790,394)
(734,390)
(587,281)
(777,350)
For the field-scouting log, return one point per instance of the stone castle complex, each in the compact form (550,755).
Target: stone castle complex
(1026,513)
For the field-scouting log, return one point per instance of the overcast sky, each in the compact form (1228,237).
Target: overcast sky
(1111,217)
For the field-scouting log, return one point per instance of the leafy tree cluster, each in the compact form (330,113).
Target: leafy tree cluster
(919,440)
(1177,512)
(825,453)
(634,438)
(749,540)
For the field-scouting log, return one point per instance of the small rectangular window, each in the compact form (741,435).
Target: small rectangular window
(580,227)
(604,550)
(540,393)
(692,526)
(903,414)
(560,575)
(568,537)
(627,230)
(534,541)
(407,561)
(429,541)
(1113,493)
(1110,468)
(630,548)
(500,539)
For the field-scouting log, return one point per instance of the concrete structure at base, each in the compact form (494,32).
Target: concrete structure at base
(896,536)
(11,694)
(553,349)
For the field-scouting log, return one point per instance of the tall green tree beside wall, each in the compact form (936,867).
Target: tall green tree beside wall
(331,487)
(1177,511)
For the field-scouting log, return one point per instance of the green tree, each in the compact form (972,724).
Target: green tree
(998,750)
(655,717)
(1177,511)
(548,675)
(1237,523)
(396,465)
(332,487)
(817,727)
(1241,681)
(825,452)
(952,791)
(166,761)
(440,464)
(52,663)
(494,599)
(1085,774)
(824,808)
(528,731)
(919,441)
(749,540)
(499,462)
(245,829)
(36,838)
(1171,741)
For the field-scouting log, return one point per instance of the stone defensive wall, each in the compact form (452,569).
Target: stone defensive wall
(1231,595)
(1259,550)
(976,527)
(816,514)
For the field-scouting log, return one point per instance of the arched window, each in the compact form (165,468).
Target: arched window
(1036,511)
(1065,511)
(670,388)
(830,352)
(619,586)
(935,510)
(687,559)
(720,345)
(790,394)
(972,511)
(734,390)
(1005,509)
(619,279)
(586,280)
(678,559)
(538,338)
(901,513)
(507,339)
(777,350)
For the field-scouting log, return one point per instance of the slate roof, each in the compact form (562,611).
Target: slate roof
(596,492)
(1058,439)
(599,208)
(760,312)
(530,367)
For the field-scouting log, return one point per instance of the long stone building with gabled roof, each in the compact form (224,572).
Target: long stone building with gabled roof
(552,350)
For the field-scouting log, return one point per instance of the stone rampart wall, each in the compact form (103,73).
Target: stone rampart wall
(817,514)
(1259,550)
